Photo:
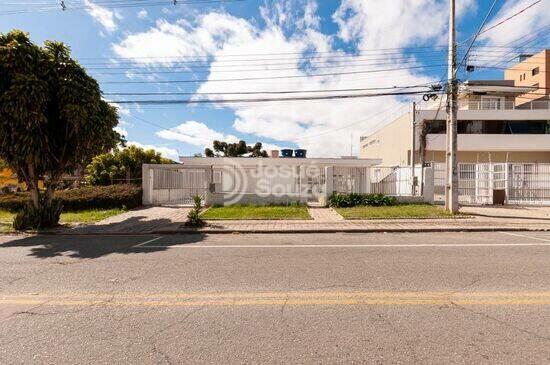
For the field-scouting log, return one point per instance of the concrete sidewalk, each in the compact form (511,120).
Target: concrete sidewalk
(171,220)
(388,225)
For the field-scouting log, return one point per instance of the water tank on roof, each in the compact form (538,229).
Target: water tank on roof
(300,153)
(286,152)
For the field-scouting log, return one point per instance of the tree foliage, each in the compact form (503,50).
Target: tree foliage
(239,149)
(52,116)
(122,165)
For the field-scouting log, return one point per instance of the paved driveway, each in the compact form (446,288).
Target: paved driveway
(142,220)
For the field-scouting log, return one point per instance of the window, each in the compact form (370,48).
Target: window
(535,71)
(520,77)
(492,102)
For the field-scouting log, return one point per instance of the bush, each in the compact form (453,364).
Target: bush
(124,196)
(35,218)
(345,200)
(194,216)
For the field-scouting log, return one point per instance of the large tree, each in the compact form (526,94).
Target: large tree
(122,165)
(239,149)
(52,115)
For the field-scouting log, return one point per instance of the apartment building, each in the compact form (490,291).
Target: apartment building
(498,121)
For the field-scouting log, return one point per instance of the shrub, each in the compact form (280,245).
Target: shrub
(124,196)
(345,200)
(194,216)
(45,216)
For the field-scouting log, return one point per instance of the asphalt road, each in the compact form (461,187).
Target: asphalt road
(331,298)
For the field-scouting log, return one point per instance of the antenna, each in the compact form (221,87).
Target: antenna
(63,6)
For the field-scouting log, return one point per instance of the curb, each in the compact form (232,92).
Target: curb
(298,231)
(348,230)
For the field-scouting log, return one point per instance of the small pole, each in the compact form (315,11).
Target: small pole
(63,6)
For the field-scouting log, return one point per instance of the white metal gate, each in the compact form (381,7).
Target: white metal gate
(522,183)
(178,185)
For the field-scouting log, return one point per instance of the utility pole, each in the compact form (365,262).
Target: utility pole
(451,191)
(413,150)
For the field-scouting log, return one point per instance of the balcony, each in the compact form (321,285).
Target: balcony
(492,142)
(503,105)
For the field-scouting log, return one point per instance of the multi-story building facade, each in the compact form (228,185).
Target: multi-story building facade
(498,121)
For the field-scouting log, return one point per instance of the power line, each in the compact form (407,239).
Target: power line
(269,92)
(134,4)
(477,34)
(259,100)
(272,77)
(510,17)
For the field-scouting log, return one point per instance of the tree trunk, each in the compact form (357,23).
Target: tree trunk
(32,185)
(50,189)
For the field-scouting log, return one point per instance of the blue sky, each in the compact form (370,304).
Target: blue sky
(283,45)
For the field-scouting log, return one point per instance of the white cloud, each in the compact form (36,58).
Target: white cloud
(526,23)
(122,131)
(199,134)
(195,133)
(106,17)
(142,14)
(390,24)
(323,127)
(183,40)
(170,153)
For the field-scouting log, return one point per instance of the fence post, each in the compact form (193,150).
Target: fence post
(146,184)
(329,184)
(428,190)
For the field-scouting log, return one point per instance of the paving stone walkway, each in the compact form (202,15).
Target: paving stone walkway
(168,220)
(407,225)
(324,214)
(142,220)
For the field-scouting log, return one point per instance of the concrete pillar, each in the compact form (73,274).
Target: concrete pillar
(329,184)
(146,181)
(428,181)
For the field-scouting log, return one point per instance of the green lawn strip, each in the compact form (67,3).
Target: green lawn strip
(244,212)
(411,211)
(83,216)
(89,216)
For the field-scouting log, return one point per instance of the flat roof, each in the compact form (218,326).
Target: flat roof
(254,161)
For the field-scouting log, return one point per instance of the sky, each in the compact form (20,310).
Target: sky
(211,51)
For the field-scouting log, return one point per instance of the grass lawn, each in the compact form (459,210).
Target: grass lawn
(83,216)
(396,211)
(257,212)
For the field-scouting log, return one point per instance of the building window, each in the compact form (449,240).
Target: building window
(535,71)
(492,102)
(520,77)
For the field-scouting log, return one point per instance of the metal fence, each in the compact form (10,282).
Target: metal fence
(177,186)
(478,183)
(377,179)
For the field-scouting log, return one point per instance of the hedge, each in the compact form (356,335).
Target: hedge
(345,200)
(90,197)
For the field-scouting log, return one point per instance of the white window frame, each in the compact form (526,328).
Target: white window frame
(485,102)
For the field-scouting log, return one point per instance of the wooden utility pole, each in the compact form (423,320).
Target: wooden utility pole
(451,191)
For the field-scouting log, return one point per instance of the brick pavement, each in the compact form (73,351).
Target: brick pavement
(142,220)
(171,220)
(320,214)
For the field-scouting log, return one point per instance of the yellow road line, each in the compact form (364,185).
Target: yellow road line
(297,294)
(280,298)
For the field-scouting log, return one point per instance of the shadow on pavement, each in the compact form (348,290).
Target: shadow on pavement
(91,247)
